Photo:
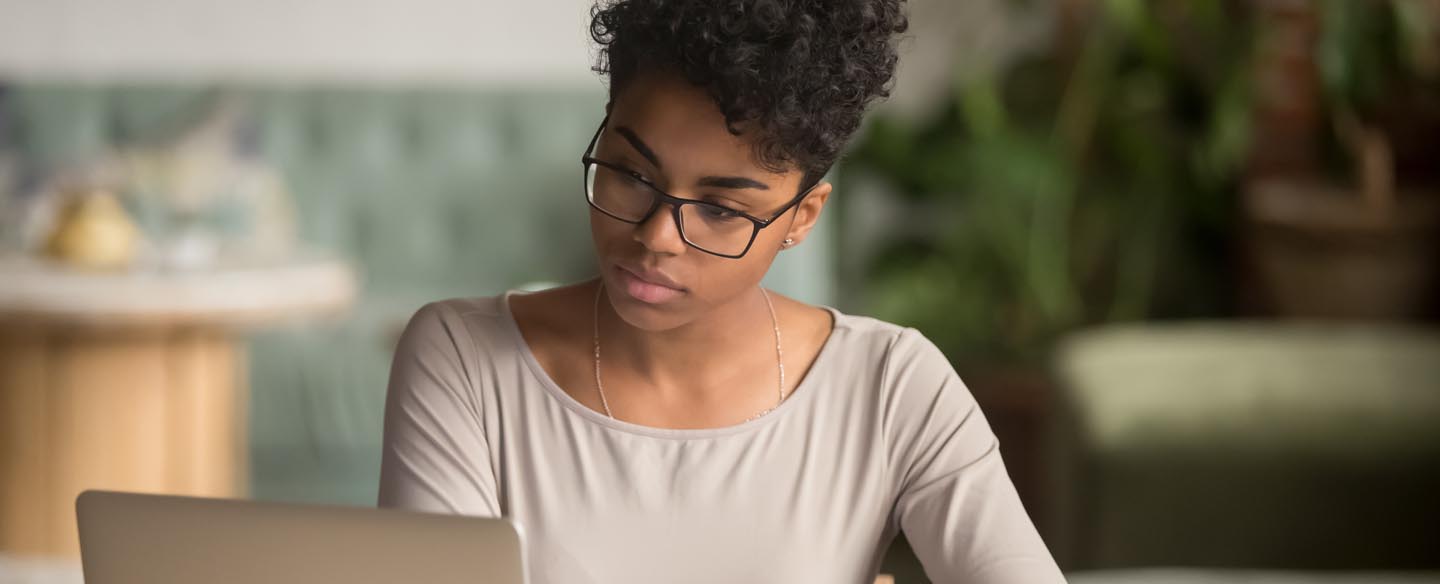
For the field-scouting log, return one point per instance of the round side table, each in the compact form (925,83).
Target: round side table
(133,381)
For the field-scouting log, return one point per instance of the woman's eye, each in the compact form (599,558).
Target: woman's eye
(719,212)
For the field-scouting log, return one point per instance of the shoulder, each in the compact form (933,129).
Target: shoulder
(455,316)
(909,371)
(554,311)
(453,329)
(863,338)
(888,347)
(898,364)
(455,310)
(488,326)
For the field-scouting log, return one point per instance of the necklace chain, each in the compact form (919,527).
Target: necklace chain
(779,355)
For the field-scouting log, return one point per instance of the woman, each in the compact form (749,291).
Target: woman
(671,421)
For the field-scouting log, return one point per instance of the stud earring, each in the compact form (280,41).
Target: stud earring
(788,242)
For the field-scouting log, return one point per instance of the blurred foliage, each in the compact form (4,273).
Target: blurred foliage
(1089,181)
(1369,51)
(1379,66)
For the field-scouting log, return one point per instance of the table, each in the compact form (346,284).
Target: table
(133,381)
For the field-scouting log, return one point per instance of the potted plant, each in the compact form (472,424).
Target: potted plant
(1092,180)
(1346,222)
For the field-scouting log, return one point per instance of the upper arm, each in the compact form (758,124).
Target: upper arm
(954,500)
(436,456)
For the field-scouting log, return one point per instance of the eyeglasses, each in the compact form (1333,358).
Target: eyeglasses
(628,196)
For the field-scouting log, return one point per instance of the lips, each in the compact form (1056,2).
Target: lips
(646,290)
(652,277)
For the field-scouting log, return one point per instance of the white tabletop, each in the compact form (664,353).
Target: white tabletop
(234,293)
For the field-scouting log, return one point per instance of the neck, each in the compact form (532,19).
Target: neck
(705,352)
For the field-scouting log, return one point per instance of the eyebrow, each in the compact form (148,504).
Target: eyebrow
(732,182)
(639,145)
(719,182)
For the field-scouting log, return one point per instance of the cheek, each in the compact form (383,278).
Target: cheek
(605,230)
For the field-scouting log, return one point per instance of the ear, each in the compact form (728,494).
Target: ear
(808,212)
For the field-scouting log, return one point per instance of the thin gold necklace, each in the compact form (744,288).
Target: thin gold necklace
(779,355)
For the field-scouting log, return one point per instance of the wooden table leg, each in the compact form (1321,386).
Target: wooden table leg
(160,411)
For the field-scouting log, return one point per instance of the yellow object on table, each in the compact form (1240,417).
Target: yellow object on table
(93,231)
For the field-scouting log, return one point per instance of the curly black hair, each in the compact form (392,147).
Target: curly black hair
(800,71)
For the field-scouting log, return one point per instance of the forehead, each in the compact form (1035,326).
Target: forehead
(684,127)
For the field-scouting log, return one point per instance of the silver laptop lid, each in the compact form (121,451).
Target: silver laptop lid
(128,538)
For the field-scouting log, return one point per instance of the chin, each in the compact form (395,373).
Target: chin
(644,316)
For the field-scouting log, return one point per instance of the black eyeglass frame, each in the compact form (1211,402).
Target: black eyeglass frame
(661,197)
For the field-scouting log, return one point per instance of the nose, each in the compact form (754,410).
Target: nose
(659,232)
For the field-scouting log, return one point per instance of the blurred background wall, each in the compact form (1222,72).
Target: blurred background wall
(381,42)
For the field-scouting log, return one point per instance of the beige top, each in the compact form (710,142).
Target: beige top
(880,435)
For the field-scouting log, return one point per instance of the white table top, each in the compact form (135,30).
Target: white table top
(238,293)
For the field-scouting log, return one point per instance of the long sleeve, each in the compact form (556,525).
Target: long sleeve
(955,502)
(436,457)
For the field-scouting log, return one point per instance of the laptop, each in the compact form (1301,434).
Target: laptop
(128,538)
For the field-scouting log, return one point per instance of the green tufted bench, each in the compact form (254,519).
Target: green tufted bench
(1295,446)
